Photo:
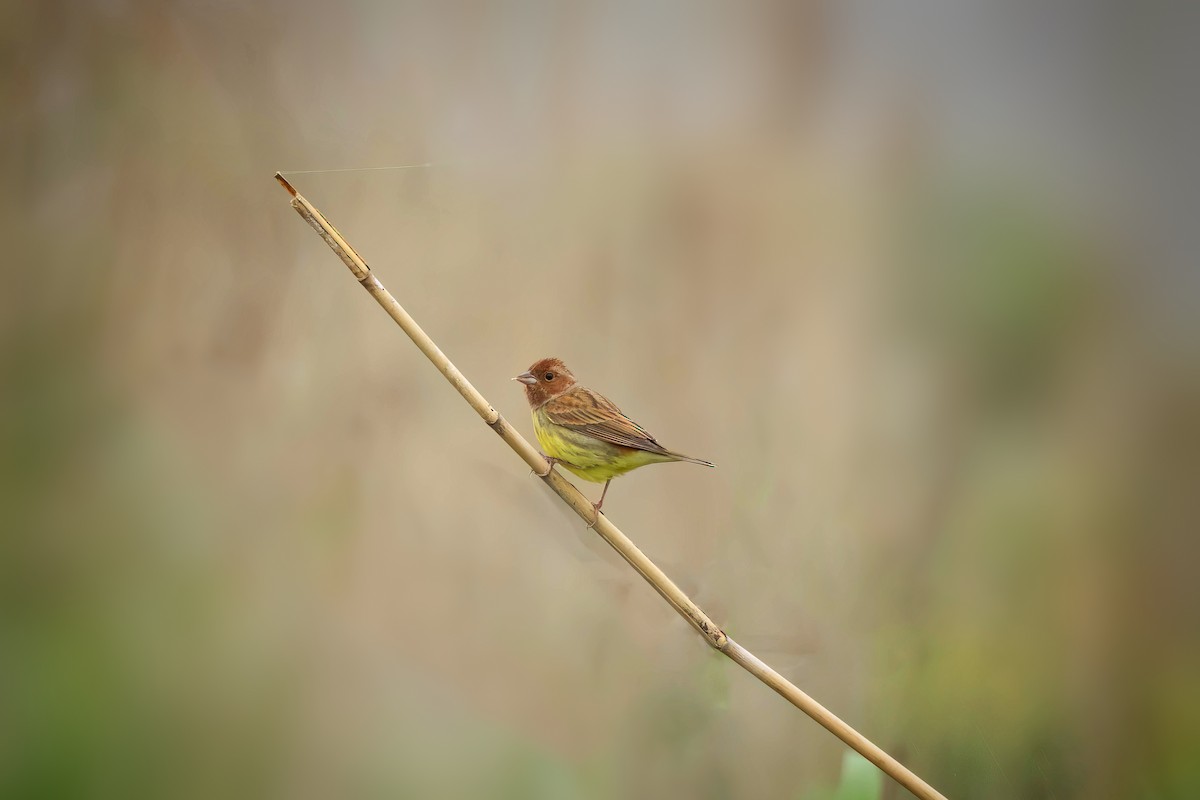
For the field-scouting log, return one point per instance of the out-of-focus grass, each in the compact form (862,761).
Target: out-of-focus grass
(860,780)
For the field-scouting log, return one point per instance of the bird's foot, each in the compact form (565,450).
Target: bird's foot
(549,469)
(596,517)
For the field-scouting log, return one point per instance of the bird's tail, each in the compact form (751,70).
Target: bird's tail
(690,460)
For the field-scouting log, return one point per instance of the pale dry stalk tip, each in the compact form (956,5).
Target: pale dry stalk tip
(712,634)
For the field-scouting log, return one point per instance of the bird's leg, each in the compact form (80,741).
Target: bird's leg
(604,492)
(599,503)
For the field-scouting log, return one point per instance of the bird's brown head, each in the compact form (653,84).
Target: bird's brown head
(546,380)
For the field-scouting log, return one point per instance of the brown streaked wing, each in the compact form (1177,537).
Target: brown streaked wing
(592,413)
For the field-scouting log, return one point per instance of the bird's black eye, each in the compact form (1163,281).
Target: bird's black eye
(549,376)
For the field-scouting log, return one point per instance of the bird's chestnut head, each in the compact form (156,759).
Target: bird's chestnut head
(546,380)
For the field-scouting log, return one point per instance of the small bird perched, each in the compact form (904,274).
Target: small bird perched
(584,431)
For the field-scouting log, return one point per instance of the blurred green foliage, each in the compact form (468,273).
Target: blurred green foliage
(251,546)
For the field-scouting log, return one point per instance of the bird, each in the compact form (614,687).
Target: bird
(585,431)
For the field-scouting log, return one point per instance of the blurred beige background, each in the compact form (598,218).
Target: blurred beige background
(920,279)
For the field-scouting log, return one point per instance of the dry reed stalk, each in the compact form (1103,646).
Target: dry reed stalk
(712,634)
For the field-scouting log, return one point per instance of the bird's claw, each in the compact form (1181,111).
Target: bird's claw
(549,469)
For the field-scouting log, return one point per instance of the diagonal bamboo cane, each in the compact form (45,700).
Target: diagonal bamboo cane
(712,634)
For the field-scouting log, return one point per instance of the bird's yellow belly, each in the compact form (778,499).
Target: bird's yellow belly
(588,457)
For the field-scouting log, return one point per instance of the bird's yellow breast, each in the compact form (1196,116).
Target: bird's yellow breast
(588,457)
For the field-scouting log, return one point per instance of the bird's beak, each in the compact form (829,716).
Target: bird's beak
(526,378)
